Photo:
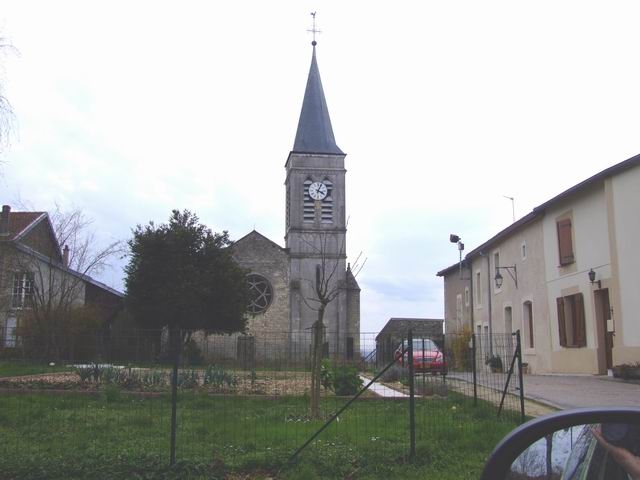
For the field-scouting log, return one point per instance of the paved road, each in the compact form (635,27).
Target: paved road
(570,391)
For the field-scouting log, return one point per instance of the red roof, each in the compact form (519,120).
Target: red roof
(19,221)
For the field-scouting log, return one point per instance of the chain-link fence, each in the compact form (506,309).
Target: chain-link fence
(245,396)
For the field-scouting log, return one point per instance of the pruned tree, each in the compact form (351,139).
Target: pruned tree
(53,267)
(325,290)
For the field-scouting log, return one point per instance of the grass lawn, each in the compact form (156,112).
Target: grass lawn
(14,369)
(118,435)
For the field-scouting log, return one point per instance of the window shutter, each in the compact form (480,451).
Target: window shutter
(579,326)
(562,329)
(565,244)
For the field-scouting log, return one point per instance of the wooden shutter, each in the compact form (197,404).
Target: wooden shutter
(579,327)
(562,329)
(565,244)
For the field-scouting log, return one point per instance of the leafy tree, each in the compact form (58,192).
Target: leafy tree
(182,276)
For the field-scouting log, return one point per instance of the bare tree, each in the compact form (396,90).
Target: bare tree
(7,117)
(53,276)
(326,289)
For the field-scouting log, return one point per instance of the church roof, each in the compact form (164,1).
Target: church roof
(253,235)
(315,134)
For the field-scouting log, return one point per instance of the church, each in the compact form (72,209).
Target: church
(284,304)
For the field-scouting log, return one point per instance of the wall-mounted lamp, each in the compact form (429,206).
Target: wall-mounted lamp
(453,238)
(592,279)
(499,279)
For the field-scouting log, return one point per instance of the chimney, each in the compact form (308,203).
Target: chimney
(65,256)
(4,220)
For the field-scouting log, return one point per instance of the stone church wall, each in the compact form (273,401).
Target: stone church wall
(271,328)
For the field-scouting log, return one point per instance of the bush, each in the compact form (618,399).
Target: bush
(216,376)
(627,371)
(191,353)
(494,362)
(395,374)
(188,378)
(346,380)
(326,374)
(460,350)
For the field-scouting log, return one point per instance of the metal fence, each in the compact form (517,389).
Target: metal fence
(243,394)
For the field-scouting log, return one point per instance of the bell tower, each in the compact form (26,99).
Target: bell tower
(315,233)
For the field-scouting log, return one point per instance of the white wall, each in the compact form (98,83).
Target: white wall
(626,203)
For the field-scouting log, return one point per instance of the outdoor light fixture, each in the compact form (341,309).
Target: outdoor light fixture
(499,279)
(592,279)
(453,238)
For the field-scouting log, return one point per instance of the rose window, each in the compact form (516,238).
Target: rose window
(260,293)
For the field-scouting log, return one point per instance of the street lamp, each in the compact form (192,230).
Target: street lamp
(592,279)
(512,271)
(453,238)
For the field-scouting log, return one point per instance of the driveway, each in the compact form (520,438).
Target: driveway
(570,391)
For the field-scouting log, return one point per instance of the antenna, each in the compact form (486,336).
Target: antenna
(314,30)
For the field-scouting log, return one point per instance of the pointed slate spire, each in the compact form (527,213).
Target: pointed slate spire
(315,134)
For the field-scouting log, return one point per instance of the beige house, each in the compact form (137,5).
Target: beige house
(562,276)
(34,275)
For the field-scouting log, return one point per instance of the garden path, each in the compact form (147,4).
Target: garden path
(382,390)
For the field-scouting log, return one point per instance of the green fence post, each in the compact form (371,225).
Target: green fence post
(519,353)
(174,392)
(412,405)
(474,369)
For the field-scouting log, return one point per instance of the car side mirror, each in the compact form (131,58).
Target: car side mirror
(598,443)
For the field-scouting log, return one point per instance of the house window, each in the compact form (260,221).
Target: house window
(565,241)
(527,313)
(508,320)
(466,296)
(571,323)
(478,289)
(523,250)
(22,290)
(8,336)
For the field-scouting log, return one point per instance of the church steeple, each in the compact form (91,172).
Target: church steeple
(315,134)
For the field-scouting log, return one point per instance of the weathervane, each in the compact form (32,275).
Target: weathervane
(314,30)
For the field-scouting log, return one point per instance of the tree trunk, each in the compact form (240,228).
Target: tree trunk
(316,364)
(549,451)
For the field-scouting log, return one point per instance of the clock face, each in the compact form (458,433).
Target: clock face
(317,190)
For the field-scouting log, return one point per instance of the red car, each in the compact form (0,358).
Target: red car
(427,357)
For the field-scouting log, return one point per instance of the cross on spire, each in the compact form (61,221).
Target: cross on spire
(314,30)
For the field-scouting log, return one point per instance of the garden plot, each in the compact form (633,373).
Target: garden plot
(212,379)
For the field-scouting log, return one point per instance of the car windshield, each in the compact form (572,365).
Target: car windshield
(425,344)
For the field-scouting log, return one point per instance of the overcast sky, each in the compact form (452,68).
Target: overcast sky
(128,109)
